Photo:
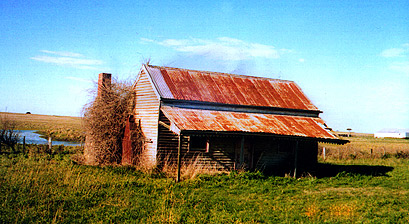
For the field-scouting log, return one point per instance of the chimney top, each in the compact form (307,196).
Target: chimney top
(104,82)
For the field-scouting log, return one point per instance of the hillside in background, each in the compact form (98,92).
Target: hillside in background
(59,127)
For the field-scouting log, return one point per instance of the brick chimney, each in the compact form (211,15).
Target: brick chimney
(104,82)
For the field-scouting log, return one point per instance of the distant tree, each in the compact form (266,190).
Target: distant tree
(9,137)
(349,130)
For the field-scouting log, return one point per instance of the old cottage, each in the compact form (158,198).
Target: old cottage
(226,121)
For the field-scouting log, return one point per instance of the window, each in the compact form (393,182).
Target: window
(199,144)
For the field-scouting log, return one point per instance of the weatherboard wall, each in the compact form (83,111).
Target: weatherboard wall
(220,155)
(147,111)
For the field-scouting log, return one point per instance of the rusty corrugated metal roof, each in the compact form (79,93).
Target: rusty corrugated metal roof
(184,84)
(228,121)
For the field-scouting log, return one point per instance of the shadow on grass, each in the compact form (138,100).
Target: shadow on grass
(332,170)
(321,170)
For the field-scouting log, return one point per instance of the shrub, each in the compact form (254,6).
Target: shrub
(9,137)
(402,155)
(386,156)
(105,120)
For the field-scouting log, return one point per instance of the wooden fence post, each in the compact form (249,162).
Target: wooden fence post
(323,153)
(179,159)
(296,159)
(24,144)
(242,153)
(50,144)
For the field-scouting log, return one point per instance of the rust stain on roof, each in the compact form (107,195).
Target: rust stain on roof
(228,121)
(183,84)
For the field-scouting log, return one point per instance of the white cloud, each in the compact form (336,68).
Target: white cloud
(402,67)
(302,60)
(79,79)
(396,52)
(393,52)
(68,59)
(400,56)
(223,48)
(146,40)
(63,53)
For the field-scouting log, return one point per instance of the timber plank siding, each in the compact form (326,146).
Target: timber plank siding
(147,111)
(218,156)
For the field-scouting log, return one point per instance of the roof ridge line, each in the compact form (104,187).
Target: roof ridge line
(222,73)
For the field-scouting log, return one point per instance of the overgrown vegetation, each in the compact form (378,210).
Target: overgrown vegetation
(104,122)
(9,137)
(189,169)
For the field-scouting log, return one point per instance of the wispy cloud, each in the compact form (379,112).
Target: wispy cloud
(63,53)
(393,52)
(70,59)
(401,58)
(402,67)
(223,48)
(79,79)
(396,52)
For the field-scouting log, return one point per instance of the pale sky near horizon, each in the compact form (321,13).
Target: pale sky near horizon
(351,58)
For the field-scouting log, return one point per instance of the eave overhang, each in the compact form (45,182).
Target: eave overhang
(193,104)
(251,134)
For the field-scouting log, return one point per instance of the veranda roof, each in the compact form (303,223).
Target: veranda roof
(185,120)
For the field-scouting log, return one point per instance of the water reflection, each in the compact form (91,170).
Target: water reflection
(34,138)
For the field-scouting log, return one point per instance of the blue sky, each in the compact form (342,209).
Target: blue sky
(350,57)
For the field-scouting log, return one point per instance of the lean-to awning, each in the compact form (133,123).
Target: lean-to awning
(196,120)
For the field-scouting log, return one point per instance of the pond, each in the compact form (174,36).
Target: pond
(34,138)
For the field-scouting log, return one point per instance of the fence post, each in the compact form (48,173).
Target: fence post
(323,153)
(339,153)
(179,159)
(242,153)
(24,144)
(50,144)
(295,159)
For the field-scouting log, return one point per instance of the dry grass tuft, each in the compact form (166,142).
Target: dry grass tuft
(190,168)
(366,147)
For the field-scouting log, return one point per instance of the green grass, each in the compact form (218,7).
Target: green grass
(37,187)
(51,188)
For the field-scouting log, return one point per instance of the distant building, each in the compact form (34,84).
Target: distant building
(392,133)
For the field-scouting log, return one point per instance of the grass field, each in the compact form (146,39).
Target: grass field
(365,181)
(366,146)
(51,188)
(62,128)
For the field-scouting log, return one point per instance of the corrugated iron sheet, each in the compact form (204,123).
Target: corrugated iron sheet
(227,121)
(159,82)
(183,84)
